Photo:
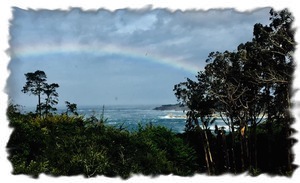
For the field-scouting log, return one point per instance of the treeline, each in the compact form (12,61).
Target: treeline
(249,88)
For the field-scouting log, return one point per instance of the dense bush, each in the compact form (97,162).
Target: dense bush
(64,145)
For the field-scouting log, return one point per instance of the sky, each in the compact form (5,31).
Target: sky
(122,57)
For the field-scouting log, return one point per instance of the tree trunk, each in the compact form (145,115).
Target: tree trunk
(242,153)
(247,149)
(46,107)
(207,159)
(212,164)
(225,151)
(288,131)
(39,105)
(233,146)
(253,148)
(269,128)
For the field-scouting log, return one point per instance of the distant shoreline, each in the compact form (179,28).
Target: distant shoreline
(176,107)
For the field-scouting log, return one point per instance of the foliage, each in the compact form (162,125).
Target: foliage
(242,87)
(36,85)
(71,107)
(64,145)
(51,97)
(174,155)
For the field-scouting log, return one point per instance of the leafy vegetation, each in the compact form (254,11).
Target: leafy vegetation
(245,88)
(248,88)
(71,145)
(36,85)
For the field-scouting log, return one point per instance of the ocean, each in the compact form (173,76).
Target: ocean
(130,117)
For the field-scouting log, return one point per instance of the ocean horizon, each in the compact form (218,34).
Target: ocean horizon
(130,117)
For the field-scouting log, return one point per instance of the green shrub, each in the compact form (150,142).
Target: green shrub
(64,145)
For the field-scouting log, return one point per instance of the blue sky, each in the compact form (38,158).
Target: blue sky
(120,57)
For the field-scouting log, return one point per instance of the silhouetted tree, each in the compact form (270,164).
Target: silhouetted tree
(272,51)
(247,84)
(35,83)
(51,97)
(195,95)
(71,107)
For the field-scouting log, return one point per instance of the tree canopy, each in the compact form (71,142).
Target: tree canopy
(245,85)
(36,84)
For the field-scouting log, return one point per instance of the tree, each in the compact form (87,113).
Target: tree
(71,108)
(51,97)
(272,51)
(35,85)
(227,86)
(201,106)
(250,82)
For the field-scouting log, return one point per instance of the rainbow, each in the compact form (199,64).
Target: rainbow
(36,50)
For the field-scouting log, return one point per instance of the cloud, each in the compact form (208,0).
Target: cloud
(185,36)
